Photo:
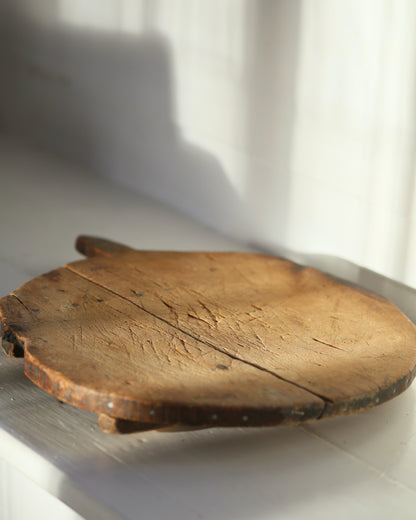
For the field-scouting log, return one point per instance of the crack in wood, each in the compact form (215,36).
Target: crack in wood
(25,306)
(254,365)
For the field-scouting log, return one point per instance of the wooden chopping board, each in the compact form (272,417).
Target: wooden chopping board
(149,339)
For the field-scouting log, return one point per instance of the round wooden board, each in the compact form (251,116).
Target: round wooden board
(204,339)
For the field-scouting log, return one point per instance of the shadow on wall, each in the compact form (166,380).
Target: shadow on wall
(105,100)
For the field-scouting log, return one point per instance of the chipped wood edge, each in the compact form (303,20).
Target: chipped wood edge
(12,345)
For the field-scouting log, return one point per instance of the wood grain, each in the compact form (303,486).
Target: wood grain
(89,347)
(162,338)
(347,346)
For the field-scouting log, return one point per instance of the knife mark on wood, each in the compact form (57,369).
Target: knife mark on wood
(198,338)
(329,344)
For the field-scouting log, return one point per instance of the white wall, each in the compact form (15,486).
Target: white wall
(282,122)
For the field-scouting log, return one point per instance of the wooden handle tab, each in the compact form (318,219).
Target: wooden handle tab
(95,246)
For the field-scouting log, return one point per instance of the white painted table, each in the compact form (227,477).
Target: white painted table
(359,467)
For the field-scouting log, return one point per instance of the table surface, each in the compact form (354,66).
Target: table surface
(360,466)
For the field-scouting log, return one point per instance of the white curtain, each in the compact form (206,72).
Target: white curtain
(354,149)
(283,122)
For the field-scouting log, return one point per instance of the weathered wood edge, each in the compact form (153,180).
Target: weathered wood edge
(162,413)
(365,402)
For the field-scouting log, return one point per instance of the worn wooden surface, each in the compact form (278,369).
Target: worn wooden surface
(162,338)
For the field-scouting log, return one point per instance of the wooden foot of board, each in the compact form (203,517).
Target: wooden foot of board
(110,424)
